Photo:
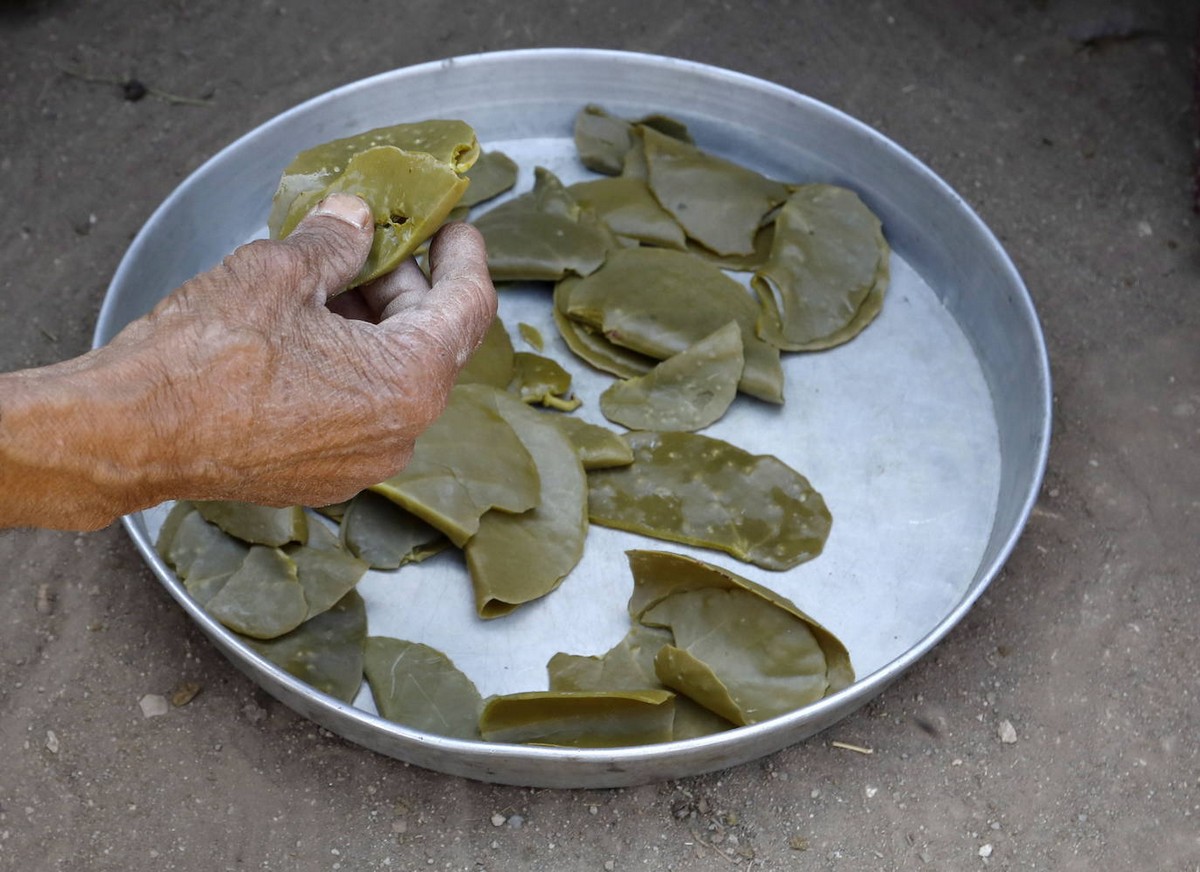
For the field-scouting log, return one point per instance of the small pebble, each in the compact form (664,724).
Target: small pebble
(516,822)
(498,819)
(1007,732)
(985,851)
(51,742)
(154,705)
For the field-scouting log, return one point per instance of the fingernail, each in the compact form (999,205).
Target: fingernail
(347,208)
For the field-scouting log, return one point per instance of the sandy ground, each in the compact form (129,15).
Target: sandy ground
(1067,125)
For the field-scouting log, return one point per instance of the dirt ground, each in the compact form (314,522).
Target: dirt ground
(1067,124)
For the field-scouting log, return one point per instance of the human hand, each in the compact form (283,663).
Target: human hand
(243,384)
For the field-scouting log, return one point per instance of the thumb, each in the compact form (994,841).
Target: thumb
(331,243)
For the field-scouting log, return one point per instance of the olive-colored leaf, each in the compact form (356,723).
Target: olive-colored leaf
(325,571)
(202,554)
(629,665)
(467,462)
(260,525)
(542,381)
(515,558)
(589,344)
(543,235)
(597,447)
(580,719)
(263,598)
(420,687)
(385,536)
(492,362)
(828,255)
(659,302)
(491,175)
(602,140)
(325,651)
(738,655)
(660,574)
(532,336)
(629,209)
(683,487)
(687,391)
(409,174)
(719,204)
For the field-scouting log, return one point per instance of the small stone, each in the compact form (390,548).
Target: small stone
(45,600)
(593,809)
(254,712)
(871,791)
(1007,732)
(498,819)
(153,705)
(516,822)
(985,851)
(51,742)
(184,693)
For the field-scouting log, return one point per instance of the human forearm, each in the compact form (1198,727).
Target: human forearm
(79,445)
(243,384)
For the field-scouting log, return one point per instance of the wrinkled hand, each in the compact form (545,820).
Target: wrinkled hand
(271,392)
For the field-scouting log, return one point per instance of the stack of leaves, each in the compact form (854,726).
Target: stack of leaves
(708,650)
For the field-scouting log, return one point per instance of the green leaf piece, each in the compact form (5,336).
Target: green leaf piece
(597,447)
(467,462)
(687,391)
(659,302)
(738,655)
(539,380)
(629,665)
(326,651)
(263,598)
(259,525)
(409,174)
(827,257)
(589,344)
(692,489)
(385,536)
(325,571)
(719,204)
(514,559)
(420,687)
(630,210)
(660,574)
(602,140)
(492,362)
(580,719)
(543,235)
(202,554)
(532,336)
(491,175)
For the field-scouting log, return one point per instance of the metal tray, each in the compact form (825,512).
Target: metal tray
(927,434)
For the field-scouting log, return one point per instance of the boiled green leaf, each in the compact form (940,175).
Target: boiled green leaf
(325,651)
(660,574)
(409,174)
(420,687)
(580,719)
(597,447)
(385,536)
(659,302)
(467,462)
(687,391)
(683,487)
(260,525)
(515,558)
(828,255)
(263,598)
